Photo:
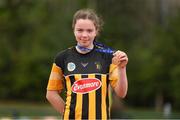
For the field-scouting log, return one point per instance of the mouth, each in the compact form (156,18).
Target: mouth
(84,41)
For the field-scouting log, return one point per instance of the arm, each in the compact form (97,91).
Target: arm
(55,85)
(120,59)
(122,83)
(56,101)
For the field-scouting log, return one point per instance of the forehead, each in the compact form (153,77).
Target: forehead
(84,23)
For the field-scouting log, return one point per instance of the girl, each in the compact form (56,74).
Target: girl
(85,72)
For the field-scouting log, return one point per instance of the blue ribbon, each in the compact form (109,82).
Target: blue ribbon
(84,49)
(102,48)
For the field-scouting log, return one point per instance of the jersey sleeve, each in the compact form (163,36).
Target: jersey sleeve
(56,78)
(113,75)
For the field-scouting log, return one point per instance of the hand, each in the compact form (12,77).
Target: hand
(120,58)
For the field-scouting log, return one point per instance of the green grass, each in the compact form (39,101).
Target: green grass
(150,114)
(31,110)
(144,113)
(35,110)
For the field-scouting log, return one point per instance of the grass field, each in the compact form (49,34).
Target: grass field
(26,110)
(40,111)
(142,113)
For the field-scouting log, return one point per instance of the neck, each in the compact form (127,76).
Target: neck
(84,50)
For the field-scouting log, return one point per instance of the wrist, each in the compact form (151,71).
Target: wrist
(121,68)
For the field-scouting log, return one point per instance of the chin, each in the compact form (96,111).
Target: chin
(84,45)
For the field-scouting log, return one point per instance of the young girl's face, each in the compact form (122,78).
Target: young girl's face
(85,32)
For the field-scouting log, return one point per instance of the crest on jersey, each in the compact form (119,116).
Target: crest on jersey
(71,66)
(98,66)
(86,85)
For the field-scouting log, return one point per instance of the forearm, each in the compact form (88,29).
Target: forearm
(56,101)
(122,83)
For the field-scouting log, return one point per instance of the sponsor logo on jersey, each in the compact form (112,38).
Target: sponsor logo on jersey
(71,66)
(86,85)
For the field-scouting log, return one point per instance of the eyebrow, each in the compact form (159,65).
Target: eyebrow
(84,28)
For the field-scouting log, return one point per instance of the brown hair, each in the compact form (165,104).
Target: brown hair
(88,14)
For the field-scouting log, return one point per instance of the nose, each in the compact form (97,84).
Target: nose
(84,34)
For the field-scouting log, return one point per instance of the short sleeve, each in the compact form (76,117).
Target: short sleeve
(56,78)
(59,59)
(113,75)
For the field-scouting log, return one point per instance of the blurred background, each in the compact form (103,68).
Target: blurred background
(32,32)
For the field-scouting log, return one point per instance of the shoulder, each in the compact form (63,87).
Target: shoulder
(63,53)
(60,56)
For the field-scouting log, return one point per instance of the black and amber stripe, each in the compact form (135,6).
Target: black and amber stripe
(56,78)
(92,105)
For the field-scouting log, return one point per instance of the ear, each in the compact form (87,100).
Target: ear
(74,32)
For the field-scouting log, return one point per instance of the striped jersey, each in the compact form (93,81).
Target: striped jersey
(85,78)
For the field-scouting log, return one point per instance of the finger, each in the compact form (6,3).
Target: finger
(117,52)
(123,60)
(122,55)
